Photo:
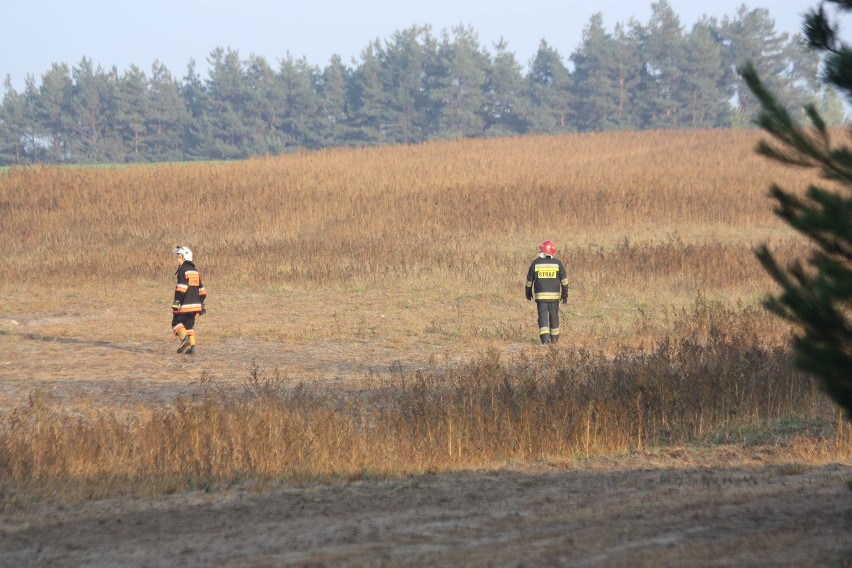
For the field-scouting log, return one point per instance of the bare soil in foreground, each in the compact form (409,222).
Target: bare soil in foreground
(674,509)
(730,506)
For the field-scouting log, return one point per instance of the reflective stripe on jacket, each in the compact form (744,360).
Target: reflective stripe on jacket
(189,291)
(548,279)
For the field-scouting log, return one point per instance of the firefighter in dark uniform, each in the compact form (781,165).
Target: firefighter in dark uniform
(547,283)
(188,302)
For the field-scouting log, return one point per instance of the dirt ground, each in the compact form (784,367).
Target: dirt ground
(77,352)
(668,510)
(756,506)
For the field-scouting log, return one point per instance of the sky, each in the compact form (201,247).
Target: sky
(113,33)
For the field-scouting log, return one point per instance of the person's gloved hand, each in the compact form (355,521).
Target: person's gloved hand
(564,299)
(529,293)
(203,310)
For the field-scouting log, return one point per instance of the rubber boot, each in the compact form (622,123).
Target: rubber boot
(184,340)
(191,349)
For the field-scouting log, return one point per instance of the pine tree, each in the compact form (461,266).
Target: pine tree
(665,58)
(229,135)
(628,64)
(53,112)
(16,136)
(367,99)
(595,84)
(505,105)
(816,296)
(300,125)
(92,113)
(701,90)
(168,117)
(197,135)
(407,66)
(458,90)
(264,102)
(830,107)
(548,91)
(132,111)
(786,67)
(334,83)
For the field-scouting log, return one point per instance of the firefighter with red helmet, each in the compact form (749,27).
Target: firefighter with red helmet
(547,283)
(188,300)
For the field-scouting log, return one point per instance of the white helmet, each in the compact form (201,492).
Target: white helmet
(187,254)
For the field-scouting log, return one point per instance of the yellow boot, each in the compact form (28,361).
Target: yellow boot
(184,340)
(191,343)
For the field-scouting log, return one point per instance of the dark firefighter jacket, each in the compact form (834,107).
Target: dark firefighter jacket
(547,280)
(189,292)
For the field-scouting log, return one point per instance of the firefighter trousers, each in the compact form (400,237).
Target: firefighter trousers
(185,322)
(548,321)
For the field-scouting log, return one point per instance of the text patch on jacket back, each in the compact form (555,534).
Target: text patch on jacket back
(547,271)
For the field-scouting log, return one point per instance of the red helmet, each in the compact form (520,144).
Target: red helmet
(547,247)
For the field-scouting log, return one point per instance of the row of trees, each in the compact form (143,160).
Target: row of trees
(412,87)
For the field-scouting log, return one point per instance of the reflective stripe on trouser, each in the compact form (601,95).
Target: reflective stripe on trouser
(183,325)
(183,321)
(548,318)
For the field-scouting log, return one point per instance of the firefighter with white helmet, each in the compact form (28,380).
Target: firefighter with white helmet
(188,300)
(547,283)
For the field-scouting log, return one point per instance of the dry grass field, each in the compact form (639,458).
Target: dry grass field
(368,388)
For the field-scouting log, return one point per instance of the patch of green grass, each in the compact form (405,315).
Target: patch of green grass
(790,426)
(780,430)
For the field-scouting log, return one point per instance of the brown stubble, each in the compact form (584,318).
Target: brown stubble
(644,221)
(342,265)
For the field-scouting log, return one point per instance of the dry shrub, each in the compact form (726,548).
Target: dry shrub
(415,208)
(568,402)
(646,223)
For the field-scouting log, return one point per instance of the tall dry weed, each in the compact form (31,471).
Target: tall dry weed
(421,209)
(663,343)
(568,402)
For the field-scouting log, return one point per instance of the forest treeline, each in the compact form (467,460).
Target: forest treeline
(412,87)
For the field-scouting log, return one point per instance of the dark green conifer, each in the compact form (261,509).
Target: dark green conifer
(816,295)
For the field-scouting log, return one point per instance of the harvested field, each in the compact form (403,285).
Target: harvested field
(368,388)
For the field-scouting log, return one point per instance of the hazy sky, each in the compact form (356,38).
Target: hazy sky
(36,33)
